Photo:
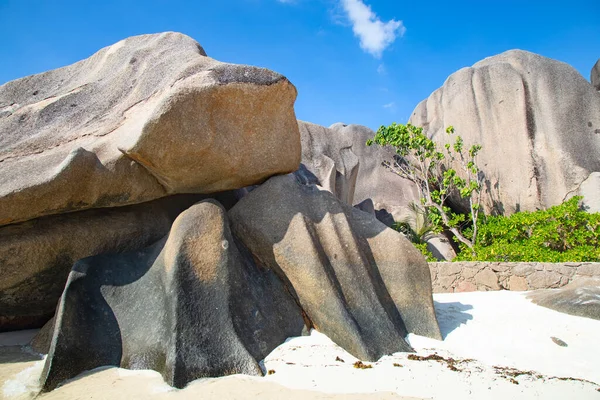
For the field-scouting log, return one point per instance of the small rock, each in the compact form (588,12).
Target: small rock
(559,342)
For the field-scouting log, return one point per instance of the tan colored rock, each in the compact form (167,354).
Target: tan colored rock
(517,283)
(433,271)
(445,283)
(450,269)
(465,286)
(149,116)
(358,281)
(523,269)
(538,122)
(561,269)
(499,267)
(543,280)
(487,278)
(469,272)
(591,269)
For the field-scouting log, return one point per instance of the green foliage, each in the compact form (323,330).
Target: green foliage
(423,249)
(560,234)
(420,227)
(430,169)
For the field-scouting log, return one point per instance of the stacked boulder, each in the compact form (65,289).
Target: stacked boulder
(120,177)
(147,118)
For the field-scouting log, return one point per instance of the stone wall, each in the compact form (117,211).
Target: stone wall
(483,276)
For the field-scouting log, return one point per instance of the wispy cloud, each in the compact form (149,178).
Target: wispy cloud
(390,106)
(381,69)
(374,35)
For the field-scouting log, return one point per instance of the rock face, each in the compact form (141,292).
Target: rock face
(590,190)
(580,298)
(329,160)
(147,117)
(595,75)
(192,305)
(361,283)
(205,301)
(101,167)
(338,159)
(36,256)
(537,119)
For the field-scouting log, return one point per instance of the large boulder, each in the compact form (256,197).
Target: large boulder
(580,297)
(192,305)
(329,159)
(537,119)
(359,282)
(36,256)
(340,161)
(595,75)
(149,116)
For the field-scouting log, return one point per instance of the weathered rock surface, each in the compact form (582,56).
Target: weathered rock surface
(338,159)
(330,158)
(192,305)
(595,75)
(361,283)
(439,246)
(147,117)
(36,256)
(537,119)
(580,298)
(590,190)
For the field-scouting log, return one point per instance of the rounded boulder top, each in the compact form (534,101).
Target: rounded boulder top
(130,123)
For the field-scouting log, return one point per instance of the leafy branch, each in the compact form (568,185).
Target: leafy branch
(420,161)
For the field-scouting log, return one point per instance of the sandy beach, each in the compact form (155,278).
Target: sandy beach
(496,345)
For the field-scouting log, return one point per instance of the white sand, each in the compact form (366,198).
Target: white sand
(495,329)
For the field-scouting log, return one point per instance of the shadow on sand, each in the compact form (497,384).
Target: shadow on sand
(451,315)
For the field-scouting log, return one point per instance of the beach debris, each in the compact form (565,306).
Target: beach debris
(360,365)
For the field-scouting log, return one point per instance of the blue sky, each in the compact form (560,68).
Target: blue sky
(355,61)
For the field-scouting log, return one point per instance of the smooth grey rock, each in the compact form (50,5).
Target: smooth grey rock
(149,116)
(36,256)
(595,75)
(590,190)
(338,159)
(440,248)
(390,193)
(537,119)
(359,282)
(330,159)
(192,305)
(580,297)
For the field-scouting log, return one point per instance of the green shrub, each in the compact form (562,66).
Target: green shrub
(423,249)
(559,234)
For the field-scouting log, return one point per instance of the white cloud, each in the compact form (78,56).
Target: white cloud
(381,69)
(391,107)
(374,35)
